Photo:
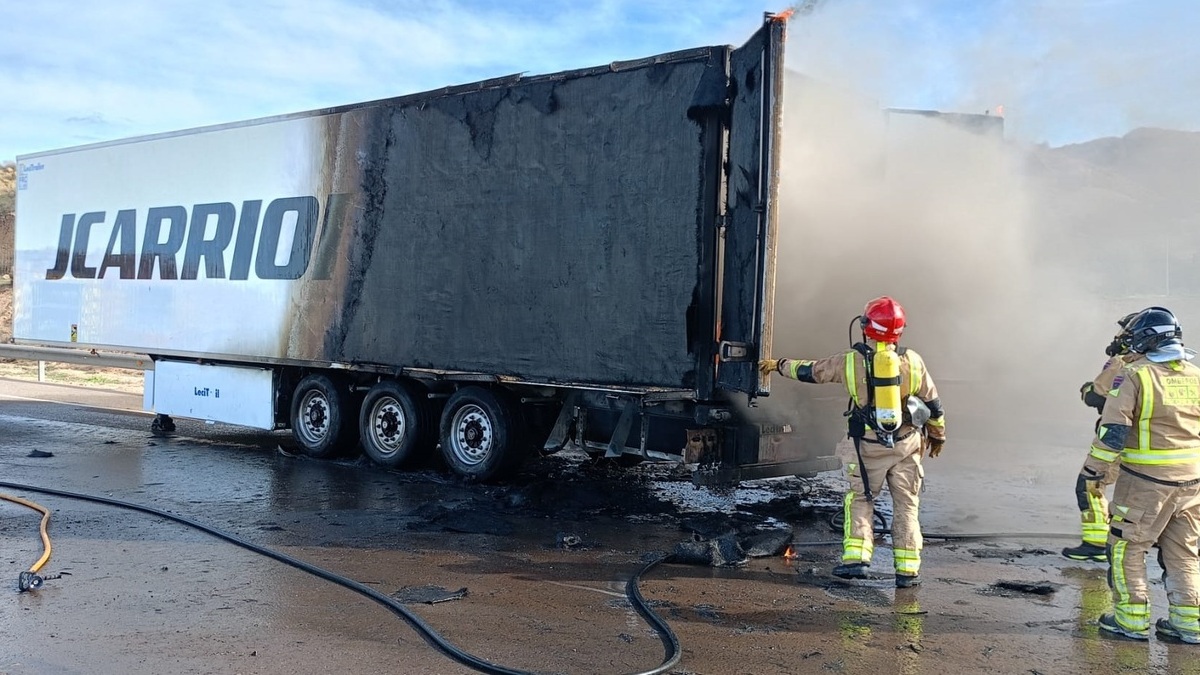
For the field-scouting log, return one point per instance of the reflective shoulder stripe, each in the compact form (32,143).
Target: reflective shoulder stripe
(851,378)
(1143,375)
(915,375)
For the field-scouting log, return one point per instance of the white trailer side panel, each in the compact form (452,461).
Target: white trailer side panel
(91,205)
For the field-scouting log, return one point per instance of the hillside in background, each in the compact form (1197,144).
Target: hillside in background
(1123,213)
(8,186)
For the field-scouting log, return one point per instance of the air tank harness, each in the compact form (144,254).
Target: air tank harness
(883,412)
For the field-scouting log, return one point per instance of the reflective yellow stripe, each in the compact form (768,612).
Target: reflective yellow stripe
(1104,454)
(794,368)
(1134,616)
(915,377)
(1129,615)
(907,561)
(1160,457)
(854,550)
(851,380)
(1185,617)
(1096,535)
(939,422)
(1147,409)
(1095,521)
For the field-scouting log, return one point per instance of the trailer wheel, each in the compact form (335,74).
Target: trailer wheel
(480,434)
(396,424)
(321,424)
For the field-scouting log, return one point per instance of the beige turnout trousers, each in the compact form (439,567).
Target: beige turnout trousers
(900,468)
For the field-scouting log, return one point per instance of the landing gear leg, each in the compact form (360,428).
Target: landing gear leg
(162,425)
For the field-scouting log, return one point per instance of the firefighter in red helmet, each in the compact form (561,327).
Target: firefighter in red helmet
(894,416)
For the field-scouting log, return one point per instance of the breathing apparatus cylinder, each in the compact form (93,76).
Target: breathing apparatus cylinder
(885,364)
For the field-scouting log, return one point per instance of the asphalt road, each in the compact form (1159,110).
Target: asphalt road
(140,594)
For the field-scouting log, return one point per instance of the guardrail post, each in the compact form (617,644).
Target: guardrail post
(41,371)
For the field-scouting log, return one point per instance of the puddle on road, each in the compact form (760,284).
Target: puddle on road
(359,519)
(871,594)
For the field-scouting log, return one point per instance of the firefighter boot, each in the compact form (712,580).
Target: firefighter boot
(1108,624)
(1165,628)
(851,571)
(1088,552)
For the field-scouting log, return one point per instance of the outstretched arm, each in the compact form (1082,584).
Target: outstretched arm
(831,369)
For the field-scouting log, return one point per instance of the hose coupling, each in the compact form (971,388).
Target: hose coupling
(29,581)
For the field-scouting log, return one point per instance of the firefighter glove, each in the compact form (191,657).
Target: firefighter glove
(935,446)
(768,366)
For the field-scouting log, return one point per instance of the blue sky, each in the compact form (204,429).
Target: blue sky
(75,71)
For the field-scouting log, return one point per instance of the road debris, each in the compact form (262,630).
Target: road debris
(429,595)
(1007,588)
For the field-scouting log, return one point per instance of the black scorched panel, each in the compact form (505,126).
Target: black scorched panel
(548,230)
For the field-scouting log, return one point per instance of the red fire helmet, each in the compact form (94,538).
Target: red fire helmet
(883,320)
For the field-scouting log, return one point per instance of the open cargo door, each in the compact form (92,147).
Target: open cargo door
(748,271)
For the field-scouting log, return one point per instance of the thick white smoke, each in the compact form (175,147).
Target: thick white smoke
(1012,258)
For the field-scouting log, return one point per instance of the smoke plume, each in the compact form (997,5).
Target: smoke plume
(1012,259)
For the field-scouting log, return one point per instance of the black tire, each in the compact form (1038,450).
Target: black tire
(323,417)
(396,424)
(481,434)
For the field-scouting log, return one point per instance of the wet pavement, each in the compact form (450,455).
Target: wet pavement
(543,561)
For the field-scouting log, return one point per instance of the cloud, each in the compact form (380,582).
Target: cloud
(1065,69)
(157,66)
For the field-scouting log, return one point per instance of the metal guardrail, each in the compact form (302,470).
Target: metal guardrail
(83,357)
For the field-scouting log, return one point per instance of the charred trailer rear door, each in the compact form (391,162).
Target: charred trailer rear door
(743,448)
(748,272)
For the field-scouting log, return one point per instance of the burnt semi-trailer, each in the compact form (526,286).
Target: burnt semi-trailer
(503,268)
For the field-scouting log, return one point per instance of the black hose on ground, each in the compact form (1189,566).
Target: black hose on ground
(670,641)
(837,518)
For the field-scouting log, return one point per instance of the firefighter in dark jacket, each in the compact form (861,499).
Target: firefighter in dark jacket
(894,416)
(1152,428)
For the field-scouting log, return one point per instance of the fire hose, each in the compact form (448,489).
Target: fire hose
(670,642)
(837,519)
(30,579)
